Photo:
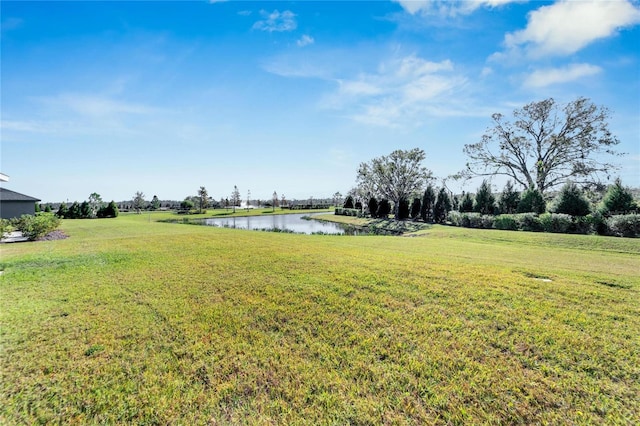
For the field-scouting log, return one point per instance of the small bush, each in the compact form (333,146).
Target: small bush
(5,227)
(34,227)
(528,222)
(627,225)
(599,223)
(506,221)
(471,220)
(555,222)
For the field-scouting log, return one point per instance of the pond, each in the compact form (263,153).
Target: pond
(285,222)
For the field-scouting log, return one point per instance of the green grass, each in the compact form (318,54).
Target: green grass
(134,321)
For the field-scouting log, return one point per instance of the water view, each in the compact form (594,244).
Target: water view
(288,223)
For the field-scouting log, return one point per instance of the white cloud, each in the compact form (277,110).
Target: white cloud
(401,91)
(95,106)
(276,21)
(568,26)
(305,40)
(448,7)
(549,76)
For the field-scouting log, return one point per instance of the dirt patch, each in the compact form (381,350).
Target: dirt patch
(55,235)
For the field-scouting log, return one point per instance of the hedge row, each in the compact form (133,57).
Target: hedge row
(622,225)
(341,211)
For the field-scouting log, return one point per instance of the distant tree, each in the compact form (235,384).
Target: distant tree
(428,202)
(155,203)
(110,210)
(397,176)
(571,201)
(85,210)
(74,211)
(47,208)
(337,198)
(402,211)
(442,206)
(531,201)
(274,200)
(416,206)
(95,204)
(348,203)
(547,145)
(138,202)
(618,199)
(235,198)
(62,210)
(485,201)
(283,201)
(373,206)
(187,204)
(203,199)
(38,208)
(509,199)
(466,205)
(384,209)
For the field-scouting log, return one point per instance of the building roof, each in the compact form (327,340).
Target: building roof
(8,195)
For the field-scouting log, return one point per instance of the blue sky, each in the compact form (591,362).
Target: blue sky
(163,97)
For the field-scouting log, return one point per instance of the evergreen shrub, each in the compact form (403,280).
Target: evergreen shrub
(506,222)
(627,225)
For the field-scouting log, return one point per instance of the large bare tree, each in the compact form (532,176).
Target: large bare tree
(546,145)
(397,176)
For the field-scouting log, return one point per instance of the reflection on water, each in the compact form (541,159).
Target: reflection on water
(285,223)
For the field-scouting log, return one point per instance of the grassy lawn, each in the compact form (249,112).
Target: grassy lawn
(135,321)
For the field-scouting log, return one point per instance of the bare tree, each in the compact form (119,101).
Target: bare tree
(274,200)
(547,145)
(397,176)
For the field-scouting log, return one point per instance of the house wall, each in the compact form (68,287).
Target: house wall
(11,209)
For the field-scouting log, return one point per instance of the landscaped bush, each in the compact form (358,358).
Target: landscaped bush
(5,227)
(470,220)
(506,222)
(528,222)
(627,225)
(556,222)
(348,212)
(34,227)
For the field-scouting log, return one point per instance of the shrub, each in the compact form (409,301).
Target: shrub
(455,217)
(531,201)
(618,199)
(598,223)
(506,221)
(627,225)
(471,220)
(466,205)
(373,206)
(485,201)
(384,208)
(571,201)
(348,203)
(556,222)
(403,209)
(110,210)
(416,206)
(442,206)
(5,227)
(528,222)
(428,200)
(34,227)
(509,199)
